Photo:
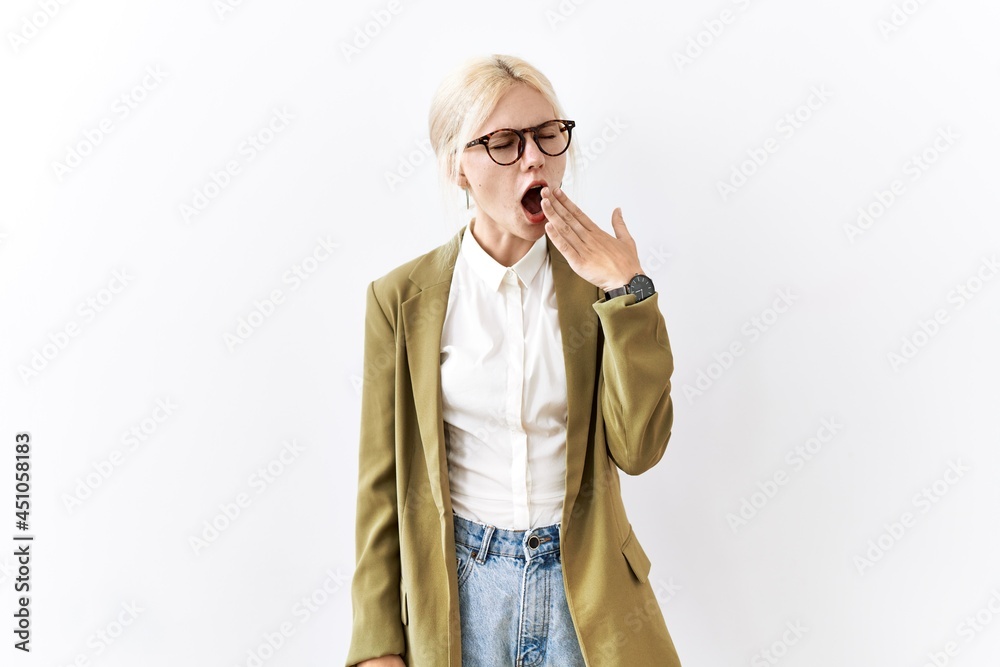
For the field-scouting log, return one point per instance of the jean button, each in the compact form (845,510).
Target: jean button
(533,542)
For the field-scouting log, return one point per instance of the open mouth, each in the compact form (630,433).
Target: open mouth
(532,204)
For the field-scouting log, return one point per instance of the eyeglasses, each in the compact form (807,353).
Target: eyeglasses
(505,146)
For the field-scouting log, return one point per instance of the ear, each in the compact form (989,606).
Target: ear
(460,180)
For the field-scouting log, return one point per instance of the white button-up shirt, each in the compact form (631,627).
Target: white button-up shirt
(503,382)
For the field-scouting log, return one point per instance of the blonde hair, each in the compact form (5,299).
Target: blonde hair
(463,102)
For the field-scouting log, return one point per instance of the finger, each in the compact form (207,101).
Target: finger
(570,224)
(563,220)
(618,223)
(562,199)
(559,241)
(564,212)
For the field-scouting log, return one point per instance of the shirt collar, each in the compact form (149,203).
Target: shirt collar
(491,271)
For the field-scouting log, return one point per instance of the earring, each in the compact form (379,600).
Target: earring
(466,199)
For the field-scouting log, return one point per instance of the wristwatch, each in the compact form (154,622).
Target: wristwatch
(640,285)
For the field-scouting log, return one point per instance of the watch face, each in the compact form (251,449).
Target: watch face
(641,286)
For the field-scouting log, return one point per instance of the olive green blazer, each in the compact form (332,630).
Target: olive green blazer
(619,416)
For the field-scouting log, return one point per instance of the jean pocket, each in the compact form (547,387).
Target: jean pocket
(465,561)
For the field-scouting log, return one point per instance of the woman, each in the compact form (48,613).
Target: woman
(508,375)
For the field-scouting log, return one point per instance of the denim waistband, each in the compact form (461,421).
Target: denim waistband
(487,539)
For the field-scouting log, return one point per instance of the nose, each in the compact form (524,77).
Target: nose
(533,155)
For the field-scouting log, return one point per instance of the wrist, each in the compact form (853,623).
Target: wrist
(622,281)
(639,284)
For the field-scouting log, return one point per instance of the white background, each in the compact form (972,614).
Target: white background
(729,590)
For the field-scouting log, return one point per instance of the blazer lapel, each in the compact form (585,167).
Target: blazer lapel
(423,320)
(578,325)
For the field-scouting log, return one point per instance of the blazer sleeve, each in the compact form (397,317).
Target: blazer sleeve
(634,384)
(375,590)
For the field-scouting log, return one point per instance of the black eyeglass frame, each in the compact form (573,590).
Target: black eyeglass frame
(567,126)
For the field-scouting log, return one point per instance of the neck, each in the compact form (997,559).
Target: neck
(502,246)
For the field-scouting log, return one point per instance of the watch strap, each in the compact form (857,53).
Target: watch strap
(618,291)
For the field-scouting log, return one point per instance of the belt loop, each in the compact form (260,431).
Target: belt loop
(485,546)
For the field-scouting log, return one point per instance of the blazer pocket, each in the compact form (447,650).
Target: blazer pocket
(404,612)
(636,557)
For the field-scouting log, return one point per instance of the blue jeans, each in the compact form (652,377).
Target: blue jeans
(512,600)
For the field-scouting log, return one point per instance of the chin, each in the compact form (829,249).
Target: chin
(535,230)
